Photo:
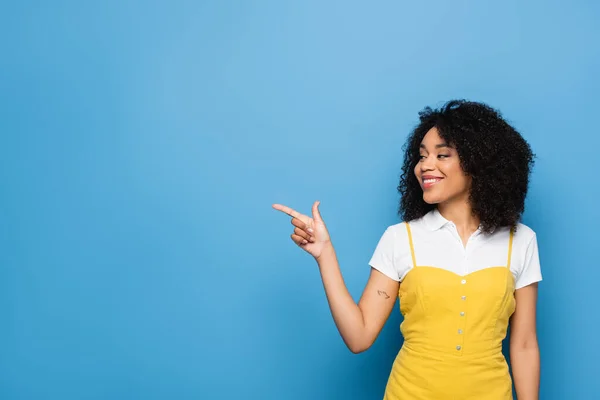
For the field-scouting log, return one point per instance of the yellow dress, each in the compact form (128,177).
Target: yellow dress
(453,330)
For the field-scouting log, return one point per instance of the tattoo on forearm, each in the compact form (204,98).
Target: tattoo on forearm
(382,293)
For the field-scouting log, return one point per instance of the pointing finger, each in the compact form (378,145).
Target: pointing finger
(287,210)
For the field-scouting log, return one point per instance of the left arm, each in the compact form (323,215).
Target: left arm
(524,350)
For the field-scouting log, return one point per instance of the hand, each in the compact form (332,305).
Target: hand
(309,233)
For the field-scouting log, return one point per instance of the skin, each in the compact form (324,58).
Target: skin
(524,349)
(360,324)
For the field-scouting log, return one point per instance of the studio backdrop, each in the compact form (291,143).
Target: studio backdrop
(142,145)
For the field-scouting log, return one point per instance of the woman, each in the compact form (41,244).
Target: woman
(461,263)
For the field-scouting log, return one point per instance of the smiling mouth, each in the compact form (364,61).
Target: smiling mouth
(429,182)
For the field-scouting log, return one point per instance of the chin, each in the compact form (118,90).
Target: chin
(431,199)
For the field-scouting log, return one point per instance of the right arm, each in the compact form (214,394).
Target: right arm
(358,324)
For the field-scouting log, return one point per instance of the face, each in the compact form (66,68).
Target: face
(439,172)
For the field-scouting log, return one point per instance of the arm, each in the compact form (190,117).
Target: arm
(359,324)
(524,350)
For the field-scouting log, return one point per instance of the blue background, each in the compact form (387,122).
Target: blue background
(143,143)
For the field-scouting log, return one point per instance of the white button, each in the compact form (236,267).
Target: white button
(460,331)
(463,281)
(458,347)
(462,313)
(463,297)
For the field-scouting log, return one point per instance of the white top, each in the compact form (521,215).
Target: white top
(437,244)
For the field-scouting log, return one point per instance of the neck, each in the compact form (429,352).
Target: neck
(461,214)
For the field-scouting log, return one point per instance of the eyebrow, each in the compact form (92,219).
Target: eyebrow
(437,146)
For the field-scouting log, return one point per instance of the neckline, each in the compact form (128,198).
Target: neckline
(458,275)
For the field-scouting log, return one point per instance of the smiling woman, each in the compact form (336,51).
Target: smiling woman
(460,262)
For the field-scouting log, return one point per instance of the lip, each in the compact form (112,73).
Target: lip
(431,181)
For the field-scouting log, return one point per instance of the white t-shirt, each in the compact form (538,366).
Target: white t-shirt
(437,243)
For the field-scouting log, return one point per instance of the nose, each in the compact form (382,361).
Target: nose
(427,164)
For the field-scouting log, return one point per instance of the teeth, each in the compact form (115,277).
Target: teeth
(430,180)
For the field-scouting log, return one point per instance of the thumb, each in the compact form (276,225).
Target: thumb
(315,211)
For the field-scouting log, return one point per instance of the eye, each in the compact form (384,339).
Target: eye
(443,155)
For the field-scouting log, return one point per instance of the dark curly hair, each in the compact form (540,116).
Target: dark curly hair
(491,151)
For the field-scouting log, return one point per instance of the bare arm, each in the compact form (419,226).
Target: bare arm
(358,324)
(524,350)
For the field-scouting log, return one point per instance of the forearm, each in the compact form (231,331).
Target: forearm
(525,362)
(346,314)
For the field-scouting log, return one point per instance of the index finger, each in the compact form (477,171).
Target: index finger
(287,210)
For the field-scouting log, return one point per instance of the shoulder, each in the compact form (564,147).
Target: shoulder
(398,230)
(393,238)
(403,233)
(401,229)
(524,230)
(523,235)
(396,240)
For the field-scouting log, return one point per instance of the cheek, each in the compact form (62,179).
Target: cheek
(457,176)
(452,170)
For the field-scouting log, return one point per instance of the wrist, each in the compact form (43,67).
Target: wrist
(327,254)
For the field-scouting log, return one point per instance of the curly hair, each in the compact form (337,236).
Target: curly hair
(490,150)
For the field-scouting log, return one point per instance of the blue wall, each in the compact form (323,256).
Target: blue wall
(142,145)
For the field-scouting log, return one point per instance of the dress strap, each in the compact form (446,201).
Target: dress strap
(510,245)
(412,247)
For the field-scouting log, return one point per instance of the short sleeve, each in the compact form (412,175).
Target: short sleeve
(384,255)
(531,270)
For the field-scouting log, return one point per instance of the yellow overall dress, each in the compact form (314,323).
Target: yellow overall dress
(453,330)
